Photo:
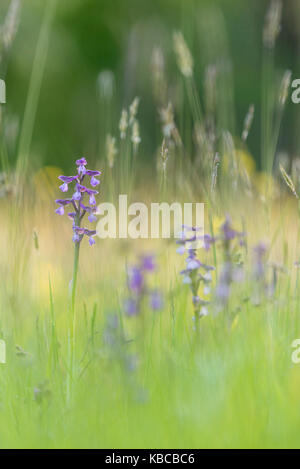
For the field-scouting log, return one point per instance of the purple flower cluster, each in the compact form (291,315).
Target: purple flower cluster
(265,274)
(231,271)
(195,272)
(259,268)
(228,233)
(77,201)
(139,290)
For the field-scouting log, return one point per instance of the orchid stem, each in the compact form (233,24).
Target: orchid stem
(73,300)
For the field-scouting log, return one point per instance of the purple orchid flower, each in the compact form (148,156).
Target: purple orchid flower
(195,271)
(77,200)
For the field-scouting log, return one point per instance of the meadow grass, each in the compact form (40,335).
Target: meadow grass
(152,381)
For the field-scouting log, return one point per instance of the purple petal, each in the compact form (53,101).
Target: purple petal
(196,300)
(81,188)
(136,279)
(60,210)
(86,208)
(92,199)
(187,280)
(64,187)
(193,264)
(63,201)
(131,307)
(156,301)
(90,232)
(148,263)
(92,241)
(92,173)
(94,182)
(76,238)
(78,229)
(90,191)
(81,162)
(81,170)
(76,196)
(180,250)
(67,179)
(92,218)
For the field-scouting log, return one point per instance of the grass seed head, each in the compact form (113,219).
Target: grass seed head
(272,24)
(184,57)
(123,124)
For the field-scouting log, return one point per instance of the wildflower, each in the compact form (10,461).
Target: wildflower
(208,241)
(259,272)
(77,200)
(231,271)
(228,233)
(156,301)
(224,283)
(138,287)
(136,279)
(148,263)
(260,251)
(195,272)
(111,336)
(131,307)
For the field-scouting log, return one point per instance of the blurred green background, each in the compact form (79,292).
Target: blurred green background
(89,36)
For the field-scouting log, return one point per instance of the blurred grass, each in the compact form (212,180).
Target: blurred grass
(88,37)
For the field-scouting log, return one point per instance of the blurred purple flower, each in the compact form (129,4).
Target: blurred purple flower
(131,307)
(156,300)
(136,279)
(148,263)
(138,287)
(195,271)
(260,251)
(228,233)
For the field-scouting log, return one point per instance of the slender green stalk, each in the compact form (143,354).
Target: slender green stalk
(35,85)
(54,349)
(74,278)
(72,336)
